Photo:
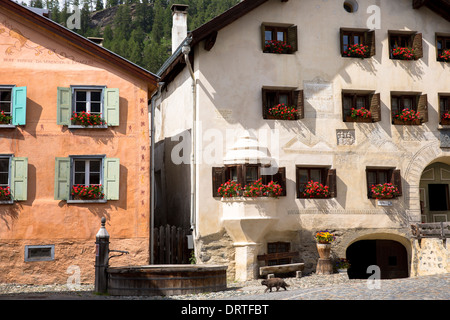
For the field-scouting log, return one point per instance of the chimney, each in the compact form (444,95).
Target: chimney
(179,25)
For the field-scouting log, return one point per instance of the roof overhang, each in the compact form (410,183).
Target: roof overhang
(441,7)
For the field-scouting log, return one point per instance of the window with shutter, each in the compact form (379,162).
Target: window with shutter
(279,38)
(87,179)
(282,104)
(376,176)
(357,106)
(443,47)
(245,174)
(404,108)
(13,106)
(357,43)
(13,179)
(405,45)
(321,175)
(444,109)
(88,107)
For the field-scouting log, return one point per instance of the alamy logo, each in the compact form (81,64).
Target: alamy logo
(373,282)
(74,21)
(374,21)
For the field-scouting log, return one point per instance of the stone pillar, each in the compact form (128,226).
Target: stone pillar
(246,257)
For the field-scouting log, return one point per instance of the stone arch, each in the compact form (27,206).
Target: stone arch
(391,251)
(413,172)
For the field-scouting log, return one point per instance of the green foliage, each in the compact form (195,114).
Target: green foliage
(141,35)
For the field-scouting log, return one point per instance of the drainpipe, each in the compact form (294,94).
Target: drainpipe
(155,97)
(186,49)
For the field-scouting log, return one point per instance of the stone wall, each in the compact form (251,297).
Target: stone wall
(430,257)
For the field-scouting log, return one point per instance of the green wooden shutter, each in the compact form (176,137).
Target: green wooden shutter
(19,106)
(62,178)
(19,178)
(111,172)
(64,106)
(111,106)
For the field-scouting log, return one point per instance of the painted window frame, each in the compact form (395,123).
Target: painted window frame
(65,178)
(17,178)
(18,105)
(30,247)
(66,105)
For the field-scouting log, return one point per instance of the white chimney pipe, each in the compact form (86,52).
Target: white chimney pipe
(179,25)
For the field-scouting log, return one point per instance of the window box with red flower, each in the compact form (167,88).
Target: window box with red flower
(357,51)
(5,195)
(444,56)
(283,112)
(87,120)
(90,192)
(445,119)
(279,47)
(403,53)
(385,191)
(359,115)
(407,117)
(316,190)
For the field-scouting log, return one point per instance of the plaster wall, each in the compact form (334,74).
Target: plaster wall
(232,74)
(229,100)
(36,59)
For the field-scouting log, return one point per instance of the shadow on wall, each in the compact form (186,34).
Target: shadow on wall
(174,178)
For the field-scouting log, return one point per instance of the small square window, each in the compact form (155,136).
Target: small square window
(410,106)
(39,253)
(381,176)
(290,100)
(443,48)
(405,45)
(323,176)
(444,109)
(279,38)
(357,43)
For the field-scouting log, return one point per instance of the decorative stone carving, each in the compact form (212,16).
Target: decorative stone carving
(346,137)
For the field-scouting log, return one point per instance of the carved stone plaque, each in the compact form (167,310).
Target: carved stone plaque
(346,137)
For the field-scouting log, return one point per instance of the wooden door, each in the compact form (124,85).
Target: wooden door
(392,259)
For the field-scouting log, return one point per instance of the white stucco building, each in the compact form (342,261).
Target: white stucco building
(219,86)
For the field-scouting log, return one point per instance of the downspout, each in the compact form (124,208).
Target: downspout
(155,97)
(186,49)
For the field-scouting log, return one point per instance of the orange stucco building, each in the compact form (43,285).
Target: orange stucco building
(48,74)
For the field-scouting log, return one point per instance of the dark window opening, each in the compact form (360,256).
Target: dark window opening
(438,197)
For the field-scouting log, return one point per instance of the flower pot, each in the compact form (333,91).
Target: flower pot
(363,120)
(324,250)
(445,122)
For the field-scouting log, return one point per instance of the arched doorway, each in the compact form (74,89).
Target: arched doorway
(390,256)
(435,192)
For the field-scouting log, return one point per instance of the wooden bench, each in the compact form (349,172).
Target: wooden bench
(280,268)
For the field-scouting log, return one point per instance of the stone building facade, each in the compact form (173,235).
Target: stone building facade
(214,124)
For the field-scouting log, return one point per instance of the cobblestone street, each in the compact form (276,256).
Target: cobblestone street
(312,287)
